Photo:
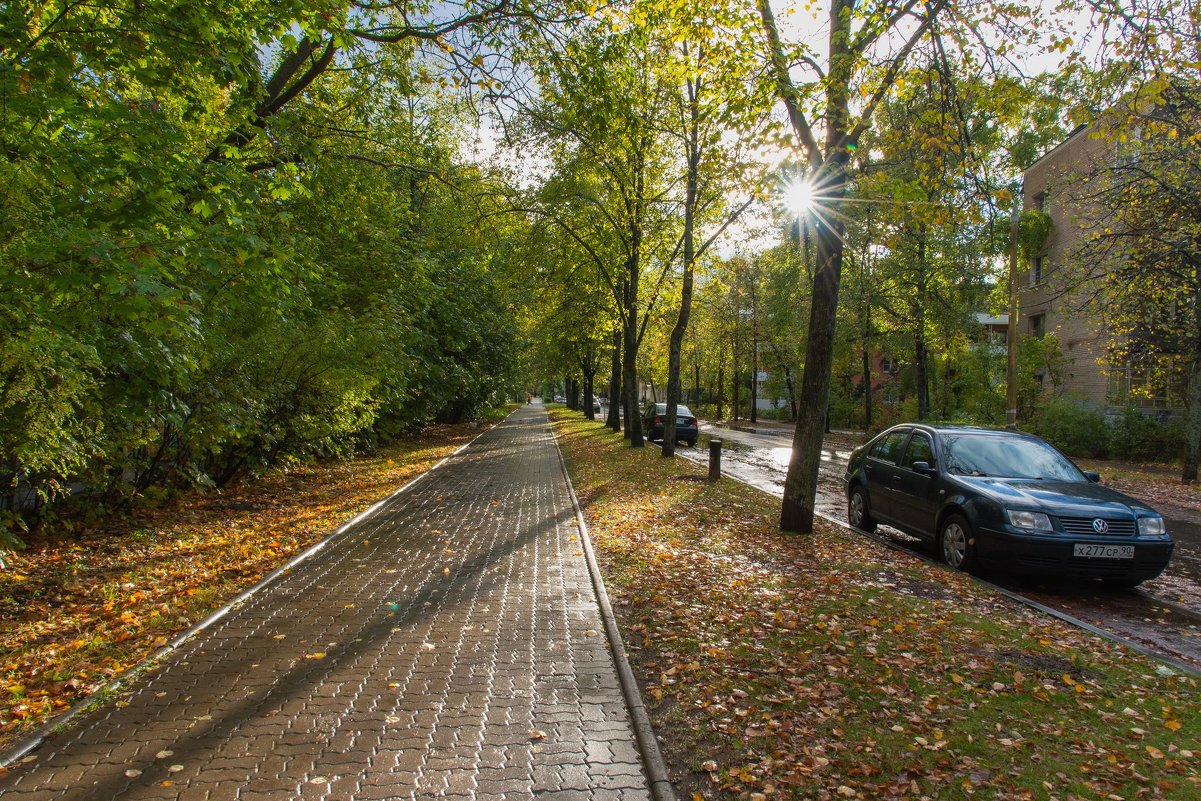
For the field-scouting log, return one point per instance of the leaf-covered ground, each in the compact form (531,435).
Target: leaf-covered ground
(1153,483)
(829,667)
(79,610)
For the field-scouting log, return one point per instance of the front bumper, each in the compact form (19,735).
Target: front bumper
(1052,554)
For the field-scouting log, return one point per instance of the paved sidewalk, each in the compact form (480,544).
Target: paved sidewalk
(419,655)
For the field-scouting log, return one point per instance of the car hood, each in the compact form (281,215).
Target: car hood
(1064,498)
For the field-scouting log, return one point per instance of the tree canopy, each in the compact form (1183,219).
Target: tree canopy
(236,235)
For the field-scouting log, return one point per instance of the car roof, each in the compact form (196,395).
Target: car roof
(958,428)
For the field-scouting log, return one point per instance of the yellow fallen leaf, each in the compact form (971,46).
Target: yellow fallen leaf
(318,655)
(535,734)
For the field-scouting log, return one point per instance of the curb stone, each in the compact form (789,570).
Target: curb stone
(656,768)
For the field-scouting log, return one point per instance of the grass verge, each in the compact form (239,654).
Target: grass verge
(79,610)
(828,667)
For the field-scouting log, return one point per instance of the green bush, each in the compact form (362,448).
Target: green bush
(1139,437)
(1074,429)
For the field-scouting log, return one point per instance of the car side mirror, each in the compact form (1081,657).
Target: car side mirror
(1094,478)
(924,468)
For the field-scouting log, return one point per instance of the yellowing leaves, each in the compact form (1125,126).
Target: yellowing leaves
(824,664)
(166,567)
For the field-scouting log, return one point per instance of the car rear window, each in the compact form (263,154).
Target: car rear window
(681,410)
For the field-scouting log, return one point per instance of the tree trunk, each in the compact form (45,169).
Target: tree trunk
(1192,426)
(921,374)
(615,393)
(633,423)
(867,387)
(734,364)
(721,380)
(688,254)
(788,383)
(754,379)
(800,485)
(920,351)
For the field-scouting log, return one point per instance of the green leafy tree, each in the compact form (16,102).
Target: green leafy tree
(868,49)
(1144,247)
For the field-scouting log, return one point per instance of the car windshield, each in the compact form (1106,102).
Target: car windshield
(1007,457)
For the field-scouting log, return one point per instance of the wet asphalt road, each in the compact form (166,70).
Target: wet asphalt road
(1163,615)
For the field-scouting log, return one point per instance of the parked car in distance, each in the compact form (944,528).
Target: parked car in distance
(1006,500)
(653,417)
(596,406)
(560,399)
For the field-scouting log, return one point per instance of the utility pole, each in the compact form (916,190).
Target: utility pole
(1011,381)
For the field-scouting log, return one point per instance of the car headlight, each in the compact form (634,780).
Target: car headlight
(1034,521)
(1151,527)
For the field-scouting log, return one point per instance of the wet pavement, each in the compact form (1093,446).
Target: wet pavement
(446,646)
(1163,615)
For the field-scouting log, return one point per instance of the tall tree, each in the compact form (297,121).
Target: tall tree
(601,117)
(1143,247)
(716,94)
(867,51)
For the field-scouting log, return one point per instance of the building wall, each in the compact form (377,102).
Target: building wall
(1057,184)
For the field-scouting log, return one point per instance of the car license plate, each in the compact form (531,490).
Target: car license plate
(1103,551)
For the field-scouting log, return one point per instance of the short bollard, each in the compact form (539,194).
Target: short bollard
(714,459)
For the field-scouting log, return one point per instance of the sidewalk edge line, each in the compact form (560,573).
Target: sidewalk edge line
(660,786)
(32,741)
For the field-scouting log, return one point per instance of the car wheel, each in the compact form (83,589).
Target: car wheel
(957,543)
(858,514)
(691,443)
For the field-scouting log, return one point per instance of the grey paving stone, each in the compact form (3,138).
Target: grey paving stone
(419,652)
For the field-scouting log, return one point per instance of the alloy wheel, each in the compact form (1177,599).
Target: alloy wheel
(855,509)
(954,544)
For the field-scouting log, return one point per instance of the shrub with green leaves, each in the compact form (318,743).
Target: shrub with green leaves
(1139,437)
(1074,429)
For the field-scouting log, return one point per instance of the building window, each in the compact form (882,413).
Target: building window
(1041,200)
(1036,271)
(1129,147)
(1038,326)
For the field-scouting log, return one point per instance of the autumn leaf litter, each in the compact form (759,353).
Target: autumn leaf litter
(81,608)
(829,667)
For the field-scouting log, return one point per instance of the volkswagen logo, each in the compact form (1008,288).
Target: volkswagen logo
(1100,526)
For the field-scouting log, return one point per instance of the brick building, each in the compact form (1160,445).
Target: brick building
(1055,184)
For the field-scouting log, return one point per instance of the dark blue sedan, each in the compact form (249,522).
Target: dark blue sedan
(1003,499)
(653,417)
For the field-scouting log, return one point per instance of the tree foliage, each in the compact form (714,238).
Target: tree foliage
(231,234)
